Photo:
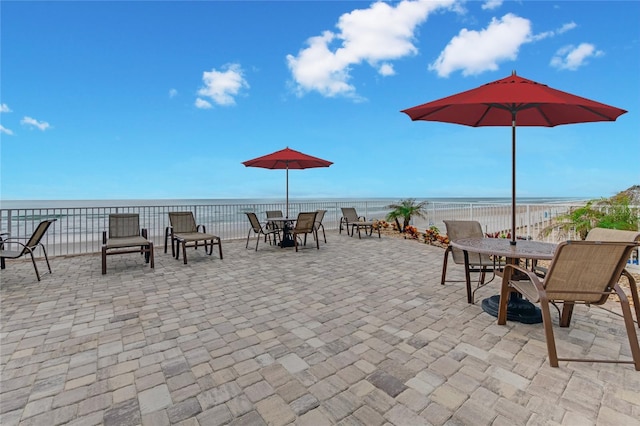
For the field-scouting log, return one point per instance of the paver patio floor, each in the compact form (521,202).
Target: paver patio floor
(359,332)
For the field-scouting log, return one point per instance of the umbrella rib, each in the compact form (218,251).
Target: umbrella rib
(599,114)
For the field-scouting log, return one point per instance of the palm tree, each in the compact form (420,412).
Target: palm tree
(613,213)
(406,209)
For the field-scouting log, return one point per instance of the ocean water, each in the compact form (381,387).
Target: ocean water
(52,204)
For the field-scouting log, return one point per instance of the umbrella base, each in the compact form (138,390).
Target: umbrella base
(287,241)
(518,309)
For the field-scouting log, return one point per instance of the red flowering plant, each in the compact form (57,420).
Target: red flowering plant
(380,224)
(431,235)
(411,231)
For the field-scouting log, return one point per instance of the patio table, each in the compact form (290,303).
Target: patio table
(518,309)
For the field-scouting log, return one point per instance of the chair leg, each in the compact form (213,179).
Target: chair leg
(325,236)
(317,239)
(219,248)
(258,240)
(444,264)
(150,258)
(548,332)
(505,294)
(104,260)
(46,258)
(248,236)
(630,326)
(633,288)
(166,238)
(565,316)
(184,251)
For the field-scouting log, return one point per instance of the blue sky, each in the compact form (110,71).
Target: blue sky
(128,100)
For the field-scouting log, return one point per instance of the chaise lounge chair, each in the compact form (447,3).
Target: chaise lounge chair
(184,232)
(124,234)
(351,219)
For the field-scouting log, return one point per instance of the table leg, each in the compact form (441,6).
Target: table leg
(467,276)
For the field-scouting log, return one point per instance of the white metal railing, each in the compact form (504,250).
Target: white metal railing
(78,230)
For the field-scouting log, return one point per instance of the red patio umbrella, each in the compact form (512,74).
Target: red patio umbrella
(514,101)
(287,159)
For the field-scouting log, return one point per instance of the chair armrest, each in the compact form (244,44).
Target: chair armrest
(144,233)
(104,237)
(13,241)
(199,227)
(509,271)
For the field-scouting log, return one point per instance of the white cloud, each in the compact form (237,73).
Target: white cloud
(223,86)
(28,121)
(386,69)
(173,93)
(572,58)
(5,130)
(474,52)
(380,33)
(202,104)
(563,29)
(491,4)
(5,108)
(566,27)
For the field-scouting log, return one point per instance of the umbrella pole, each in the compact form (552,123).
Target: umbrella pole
(287,191)
(513,179)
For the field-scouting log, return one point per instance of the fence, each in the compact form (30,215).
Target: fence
(78,230)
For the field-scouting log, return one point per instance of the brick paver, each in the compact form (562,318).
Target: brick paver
(358,332)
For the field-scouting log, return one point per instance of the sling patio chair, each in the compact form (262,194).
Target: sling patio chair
(581,272)
(125,236)
(318,224)
(351,219)
(27,247)
(479,263)
(274,224)
(258,230)
(184,232)
(603,234)
(305,224)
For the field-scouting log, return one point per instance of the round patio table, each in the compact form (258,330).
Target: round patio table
(518,309)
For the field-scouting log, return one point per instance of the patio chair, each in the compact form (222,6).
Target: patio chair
(480,263)
(27,247)
(317,225)
(305,224)
(125,236)
(258,229)
(184,232)
(585,272)
(602,234)
(351,219)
